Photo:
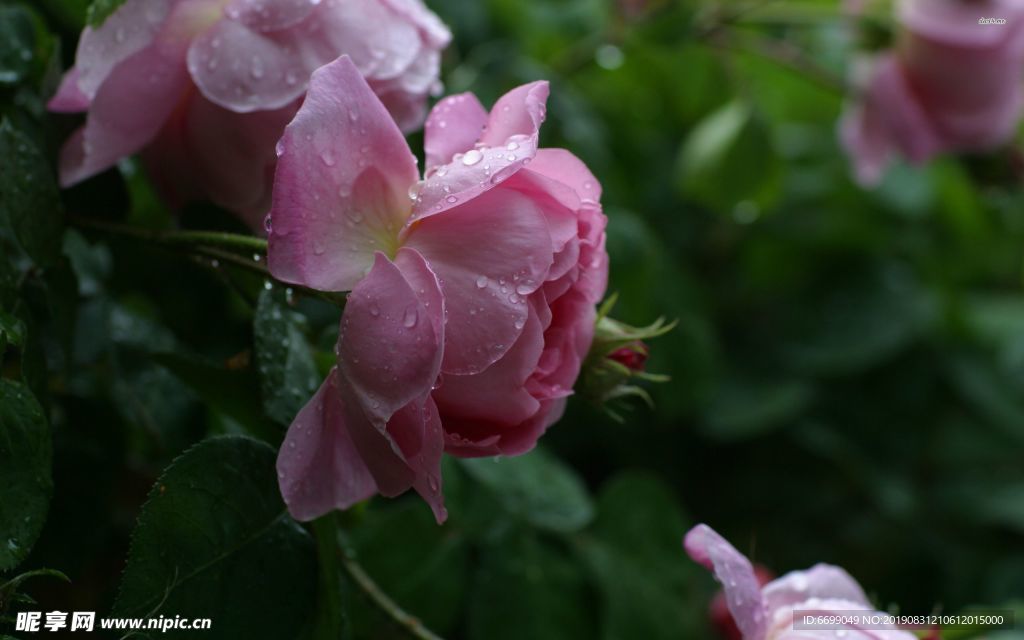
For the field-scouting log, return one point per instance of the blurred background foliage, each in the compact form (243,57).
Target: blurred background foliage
(847,372)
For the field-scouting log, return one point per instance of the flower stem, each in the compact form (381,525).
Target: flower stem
(211,248)
(410,624)
(330,618)
(173,236)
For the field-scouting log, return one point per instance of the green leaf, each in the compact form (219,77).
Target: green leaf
(100,10)
(526,587)
(635,552)
(728,162)
(860,325)
(990,391)
(12,331)
(745,407)
(537,487)
(420,565)
(29,200)
(229,392)
(26,484)
(214,541)
(17,41)
(9,589)
(288,374)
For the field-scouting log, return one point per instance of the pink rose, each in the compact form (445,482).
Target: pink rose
(472,290)
(766,613)
(953,84)
(204,88)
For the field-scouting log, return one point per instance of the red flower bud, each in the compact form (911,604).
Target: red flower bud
(633,357)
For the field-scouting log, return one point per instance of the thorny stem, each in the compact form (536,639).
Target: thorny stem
(211,249)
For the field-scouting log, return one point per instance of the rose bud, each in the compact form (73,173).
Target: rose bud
(633,356)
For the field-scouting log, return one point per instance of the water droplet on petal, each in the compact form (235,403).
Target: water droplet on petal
(472,157)
(411,316)
(481,282)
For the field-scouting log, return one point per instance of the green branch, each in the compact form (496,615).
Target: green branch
(410,624)
(212,248)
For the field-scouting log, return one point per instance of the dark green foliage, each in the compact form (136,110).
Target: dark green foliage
(25,460)
(214,541)
(847,374)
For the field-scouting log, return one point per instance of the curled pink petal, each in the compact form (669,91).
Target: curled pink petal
(396,310)
(69,98)
(734,571)
(508,144)
(341,186)
(498,394)
(820,581)
(435,31)
(389,346)
(562,166)
(126,114)
(454,125)
(244,70)
(130,29)
(381,45)
(318,467)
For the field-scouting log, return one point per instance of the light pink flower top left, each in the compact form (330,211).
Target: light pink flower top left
(204,88)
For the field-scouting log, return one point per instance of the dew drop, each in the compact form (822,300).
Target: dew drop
(481,282)
(411,316)
(472,157)
(257,68)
